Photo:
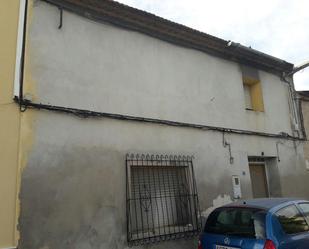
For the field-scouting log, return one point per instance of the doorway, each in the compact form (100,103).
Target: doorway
(258,180)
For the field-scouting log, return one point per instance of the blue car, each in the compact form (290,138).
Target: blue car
(275,223)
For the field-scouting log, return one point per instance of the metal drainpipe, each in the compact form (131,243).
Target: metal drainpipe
(295,100)
(23,55)
(302,118)
(295,116)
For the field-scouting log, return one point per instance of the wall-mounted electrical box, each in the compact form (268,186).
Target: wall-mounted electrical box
(236,187)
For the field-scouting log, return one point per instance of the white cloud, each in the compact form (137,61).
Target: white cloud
(276,27)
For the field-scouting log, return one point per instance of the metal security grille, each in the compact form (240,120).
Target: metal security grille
(162,201)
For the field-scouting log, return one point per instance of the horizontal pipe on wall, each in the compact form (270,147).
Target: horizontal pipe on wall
(93,114)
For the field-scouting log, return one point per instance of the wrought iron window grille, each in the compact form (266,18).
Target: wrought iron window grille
(162,201)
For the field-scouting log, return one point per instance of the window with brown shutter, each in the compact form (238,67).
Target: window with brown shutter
(162,201)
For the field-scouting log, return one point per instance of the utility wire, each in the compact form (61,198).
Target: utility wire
(93,114)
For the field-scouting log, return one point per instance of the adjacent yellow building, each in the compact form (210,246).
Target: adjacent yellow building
(10,118)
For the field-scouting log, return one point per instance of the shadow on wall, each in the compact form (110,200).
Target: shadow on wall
(74,198)
(273,177)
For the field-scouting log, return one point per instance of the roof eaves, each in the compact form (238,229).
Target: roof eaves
(131,18)
(304,95)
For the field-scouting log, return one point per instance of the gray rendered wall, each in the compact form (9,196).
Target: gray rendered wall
(100,67)
(73,188)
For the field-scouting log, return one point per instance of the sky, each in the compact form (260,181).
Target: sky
(276,27)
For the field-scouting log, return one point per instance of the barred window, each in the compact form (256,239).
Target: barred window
(162,201)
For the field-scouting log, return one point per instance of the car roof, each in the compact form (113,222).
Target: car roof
(263,203)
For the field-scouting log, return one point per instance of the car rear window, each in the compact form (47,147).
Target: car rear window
(237,221)
(305,209)
(291,220)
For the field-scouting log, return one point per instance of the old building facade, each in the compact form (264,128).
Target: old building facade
(133,127)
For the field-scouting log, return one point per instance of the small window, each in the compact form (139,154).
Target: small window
(291,220)
(244,222)
(253,96)
(248,101)
(305,208)
(162,201)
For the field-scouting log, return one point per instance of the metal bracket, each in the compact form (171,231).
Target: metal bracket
(226,144)
(60,17)
(22,108)
(277,149)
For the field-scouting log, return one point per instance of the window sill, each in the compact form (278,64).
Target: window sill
(175,232)
(252,110)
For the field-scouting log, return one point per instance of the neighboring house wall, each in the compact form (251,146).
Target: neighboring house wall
(73,192)
(305,110)
(9,124)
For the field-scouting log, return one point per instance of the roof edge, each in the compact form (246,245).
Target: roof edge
(303,95)
(127,17)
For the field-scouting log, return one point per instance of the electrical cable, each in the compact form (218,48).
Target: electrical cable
(94,114)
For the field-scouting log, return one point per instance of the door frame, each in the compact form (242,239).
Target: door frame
(263,164)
